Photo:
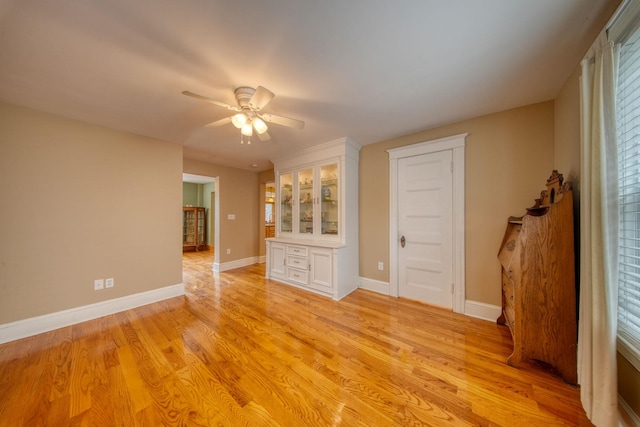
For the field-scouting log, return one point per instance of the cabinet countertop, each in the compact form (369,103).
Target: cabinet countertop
(308,242)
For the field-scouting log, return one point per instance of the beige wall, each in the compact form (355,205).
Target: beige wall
(267,176)
(629,383)
(83,202)
(238,193)
(508,156)
(567,131)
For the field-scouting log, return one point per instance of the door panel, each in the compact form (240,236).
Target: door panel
(321,269)
(277,260)
(425,221)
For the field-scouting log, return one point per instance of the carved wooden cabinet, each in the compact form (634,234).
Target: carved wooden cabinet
(538,281)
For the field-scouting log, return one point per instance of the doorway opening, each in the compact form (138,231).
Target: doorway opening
(202,192)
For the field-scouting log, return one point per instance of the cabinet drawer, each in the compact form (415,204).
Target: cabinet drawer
(297,250)
(297,262)
(298,276)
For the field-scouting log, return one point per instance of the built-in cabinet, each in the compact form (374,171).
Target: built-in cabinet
(193,228)
(316,242)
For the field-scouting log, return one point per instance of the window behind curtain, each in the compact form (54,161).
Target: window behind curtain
(628,134)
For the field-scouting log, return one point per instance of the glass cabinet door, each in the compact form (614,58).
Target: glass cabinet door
(188,227)
(286,203)
(200,227)
(305,200)
(329,199)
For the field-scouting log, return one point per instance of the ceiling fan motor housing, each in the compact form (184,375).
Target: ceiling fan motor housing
(244,95)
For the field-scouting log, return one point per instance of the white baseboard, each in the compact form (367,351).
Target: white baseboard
(475,309)
(48,322)
(481,310)
(374,285)
(235,264)
(263,259)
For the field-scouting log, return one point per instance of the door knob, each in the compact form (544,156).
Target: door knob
(403,241)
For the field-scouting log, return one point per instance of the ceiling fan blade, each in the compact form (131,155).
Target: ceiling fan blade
(260,98)
(211,101)
(284,121)
(219,122)
(264,136)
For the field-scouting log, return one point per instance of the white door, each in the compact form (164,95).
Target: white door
(425,230)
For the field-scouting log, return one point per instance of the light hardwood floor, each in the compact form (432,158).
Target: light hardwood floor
(241,350)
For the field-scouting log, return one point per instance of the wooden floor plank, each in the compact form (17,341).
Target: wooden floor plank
(242,350)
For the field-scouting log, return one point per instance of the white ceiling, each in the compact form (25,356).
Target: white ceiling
(367,69)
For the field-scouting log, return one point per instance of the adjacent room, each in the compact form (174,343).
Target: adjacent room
(304,213)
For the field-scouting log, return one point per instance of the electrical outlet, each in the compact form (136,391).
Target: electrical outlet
(98,284)
(380,265)
(108,283)
(228,251)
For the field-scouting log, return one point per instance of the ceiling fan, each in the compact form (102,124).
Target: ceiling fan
(248,116)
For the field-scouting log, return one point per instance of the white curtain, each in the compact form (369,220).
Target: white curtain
(597,370)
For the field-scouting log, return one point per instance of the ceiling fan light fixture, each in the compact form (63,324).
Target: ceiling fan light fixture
(247,129)
(247,115)
(259,125)
(239,120)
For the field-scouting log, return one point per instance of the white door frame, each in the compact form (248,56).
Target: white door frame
(456,144)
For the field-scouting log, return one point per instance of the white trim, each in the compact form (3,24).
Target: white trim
(262,259)
(624,21)
(624,407)
(219,268)
(481,310)
(343,146)
(374,285)
(455,143)
(629,351)
(459,261)
(48,322)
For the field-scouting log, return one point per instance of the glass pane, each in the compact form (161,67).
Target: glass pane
(188,237)
(329,199)
(286,203)
(200,239)
(305,197)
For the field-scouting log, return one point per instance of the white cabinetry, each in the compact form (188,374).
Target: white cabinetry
(316,243)
(276,254)
(321,269)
